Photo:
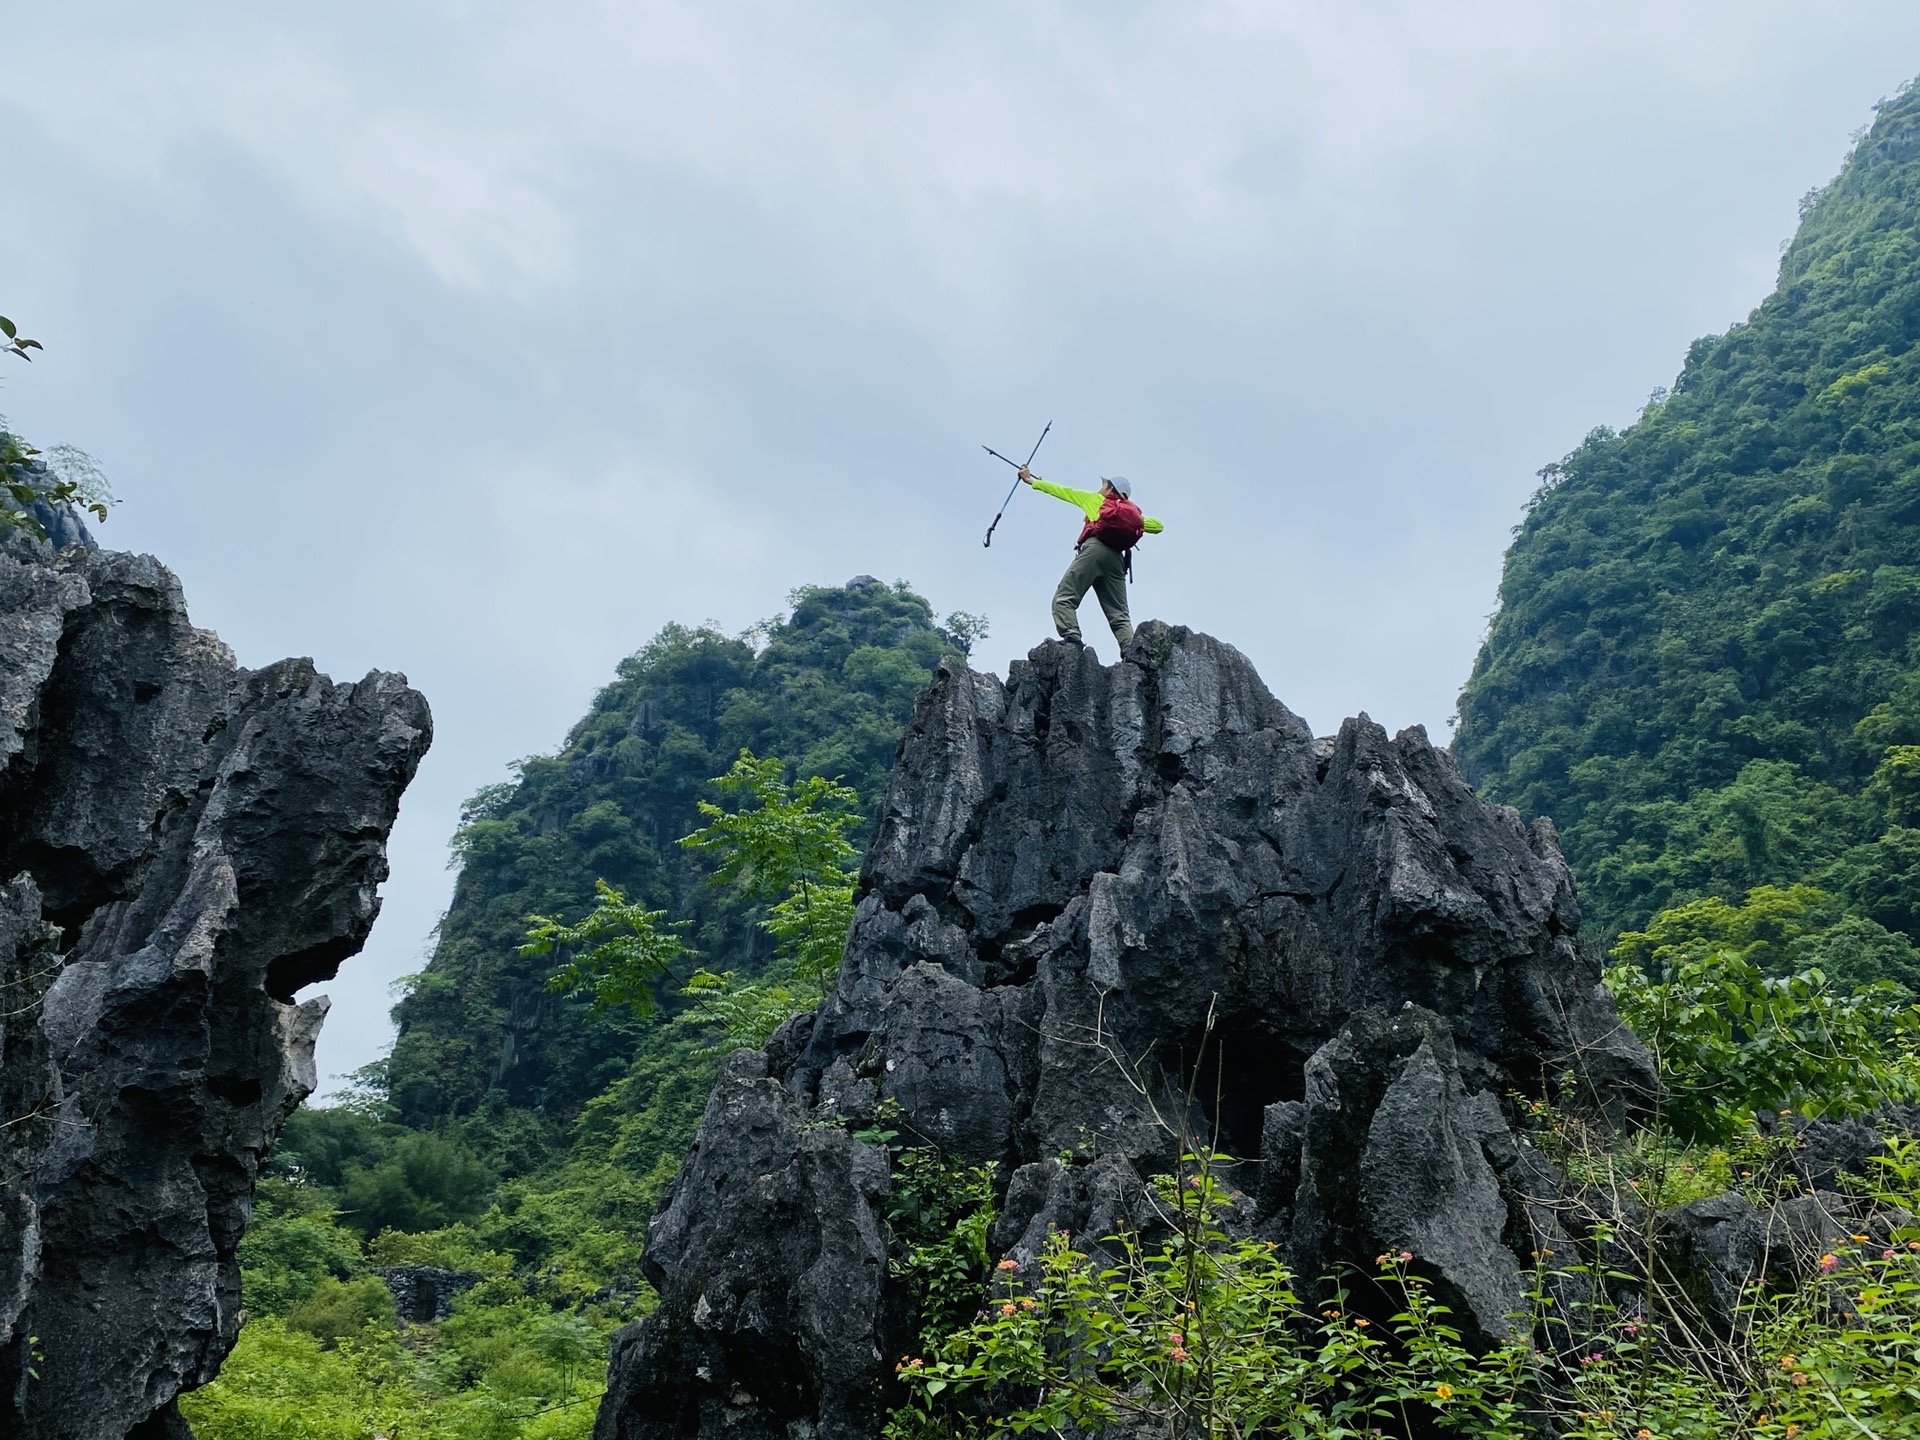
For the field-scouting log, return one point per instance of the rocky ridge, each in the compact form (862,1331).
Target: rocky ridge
(184,844)
(1090,888)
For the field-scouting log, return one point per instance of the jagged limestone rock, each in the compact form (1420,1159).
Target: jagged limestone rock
(183,845)
(1094,892)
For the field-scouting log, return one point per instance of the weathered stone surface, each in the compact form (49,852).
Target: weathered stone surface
(185,844)
(778,1260)
(1392,1160)
(1094,892)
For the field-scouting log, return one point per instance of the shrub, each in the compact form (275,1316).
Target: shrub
(1733,1040)
(1206,1336)
(338,1309)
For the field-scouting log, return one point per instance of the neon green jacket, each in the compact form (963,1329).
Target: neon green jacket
(1088,502)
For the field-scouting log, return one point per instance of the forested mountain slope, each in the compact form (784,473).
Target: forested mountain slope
(1706,661)
(828,689)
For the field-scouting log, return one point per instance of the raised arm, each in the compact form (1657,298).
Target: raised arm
(1086,501)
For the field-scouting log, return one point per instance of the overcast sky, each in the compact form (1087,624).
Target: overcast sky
(479,340)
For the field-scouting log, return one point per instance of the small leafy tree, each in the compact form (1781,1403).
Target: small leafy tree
(964,630)
(618,953)
(567,1343)
(741,1013)
(786,847)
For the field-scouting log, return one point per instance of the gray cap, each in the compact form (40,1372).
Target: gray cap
(1120,483)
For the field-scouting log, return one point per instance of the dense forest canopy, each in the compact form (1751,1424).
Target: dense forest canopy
(1705,666)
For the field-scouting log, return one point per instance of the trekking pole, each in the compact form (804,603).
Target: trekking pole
(1016,481)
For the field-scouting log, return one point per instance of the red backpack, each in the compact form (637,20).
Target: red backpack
(1119,525)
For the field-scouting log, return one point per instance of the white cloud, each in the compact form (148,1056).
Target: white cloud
(944,137)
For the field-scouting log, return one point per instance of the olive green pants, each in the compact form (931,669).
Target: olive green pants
(1103,570)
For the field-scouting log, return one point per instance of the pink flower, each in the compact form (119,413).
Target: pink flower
(1008,1265)
(1406,1256)
(1829,1263)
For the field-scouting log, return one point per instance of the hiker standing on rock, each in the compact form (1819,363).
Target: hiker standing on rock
(1102,559)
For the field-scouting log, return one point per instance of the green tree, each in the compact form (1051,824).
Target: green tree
(618,952)
(567,1343)
(786,849)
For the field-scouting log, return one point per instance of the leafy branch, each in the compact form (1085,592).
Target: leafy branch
(64,476)
(784,846)
(618,952)
(17,344)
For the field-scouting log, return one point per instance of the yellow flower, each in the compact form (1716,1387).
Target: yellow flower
(1444,1392)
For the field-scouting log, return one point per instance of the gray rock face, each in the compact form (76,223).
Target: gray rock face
(184,844)
(1393,1159)
(1093,892)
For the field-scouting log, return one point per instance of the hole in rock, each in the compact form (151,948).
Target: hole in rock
(71,885)
(1243,1067)
(1016,968)
(239,1090)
